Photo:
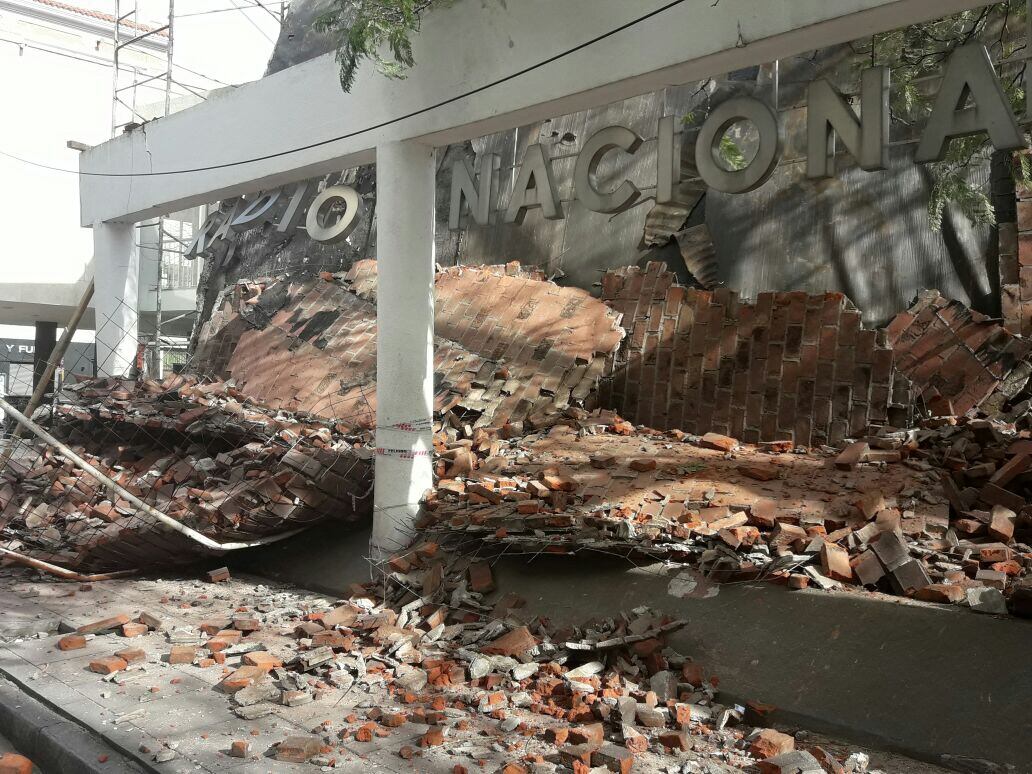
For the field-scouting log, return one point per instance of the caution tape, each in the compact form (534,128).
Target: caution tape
(405,454)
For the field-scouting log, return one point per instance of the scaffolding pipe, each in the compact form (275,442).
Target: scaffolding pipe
(62,572)
(124,493)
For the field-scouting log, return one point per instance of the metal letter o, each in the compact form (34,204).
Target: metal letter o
(315,222)
(764,162)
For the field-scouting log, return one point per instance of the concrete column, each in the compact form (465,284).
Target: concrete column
(405,188)
(46,340)
(116,273)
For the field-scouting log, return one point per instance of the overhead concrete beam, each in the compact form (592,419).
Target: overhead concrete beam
(461,50)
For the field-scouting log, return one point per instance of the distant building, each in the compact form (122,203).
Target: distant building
(56,64)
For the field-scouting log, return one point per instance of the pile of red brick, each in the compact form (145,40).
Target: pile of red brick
(201,453)
(462,662)
(593,482)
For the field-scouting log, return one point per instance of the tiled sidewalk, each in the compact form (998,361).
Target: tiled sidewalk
(156,707)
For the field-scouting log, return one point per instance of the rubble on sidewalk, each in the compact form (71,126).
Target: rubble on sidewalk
(420,665)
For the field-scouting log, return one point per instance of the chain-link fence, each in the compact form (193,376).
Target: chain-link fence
(128,471)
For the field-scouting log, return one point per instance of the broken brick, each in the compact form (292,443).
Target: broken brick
(71,642)
(481,579)
(769,743)
(103,626)
(107,665)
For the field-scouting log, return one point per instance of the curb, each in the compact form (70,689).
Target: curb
(55,744)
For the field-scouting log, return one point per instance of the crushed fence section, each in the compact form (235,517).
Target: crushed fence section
(126,473)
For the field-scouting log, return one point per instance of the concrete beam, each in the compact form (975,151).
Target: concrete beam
(304,107)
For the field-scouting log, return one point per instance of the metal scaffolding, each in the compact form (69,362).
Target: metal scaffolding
(129,35)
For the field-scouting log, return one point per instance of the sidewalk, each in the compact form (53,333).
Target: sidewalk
(176,718)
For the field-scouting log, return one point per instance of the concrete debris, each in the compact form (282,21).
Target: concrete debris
(610,694)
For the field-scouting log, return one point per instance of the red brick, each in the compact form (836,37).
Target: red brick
(132,655)
(107,665)
(134,629)
(481,579)
(12,763)
(105,625)
(717,441)
(242,677)
(182,654)
(769,743)
(240,749)
(71,642)
(298,749)
(262,659)
(835,562)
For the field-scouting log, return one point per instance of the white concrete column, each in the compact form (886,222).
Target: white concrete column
(405,188)
(116,277)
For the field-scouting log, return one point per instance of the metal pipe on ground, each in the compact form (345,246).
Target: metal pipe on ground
(125,494)
(63,572)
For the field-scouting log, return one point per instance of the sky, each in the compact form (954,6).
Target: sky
(228,40)
(223,42)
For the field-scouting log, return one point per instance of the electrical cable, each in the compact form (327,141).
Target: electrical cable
(256,6)
(99,63)
(381,125)
(254,24)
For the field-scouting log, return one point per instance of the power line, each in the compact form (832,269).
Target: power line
(255,5)
(254,24)
(100,63)
(374,127)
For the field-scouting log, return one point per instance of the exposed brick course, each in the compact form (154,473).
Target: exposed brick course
(509,345)
(789,366)
(955,357)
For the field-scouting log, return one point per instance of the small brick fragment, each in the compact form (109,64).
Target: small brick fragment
(240,749)
(720,442)
(241,678)
(769,743)
(262,659)
(71,642)
(592,735)
(107,665)
(298,749)
(434,737)
(481,579)
(220,575)
(103,626)
(835,562)
(12,763)
(134,629)
(182,654)
(941,593)
(132,655)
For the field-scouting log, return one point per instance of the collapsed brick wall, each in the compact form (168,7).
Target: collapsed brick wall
(509,346)
(957,358)
(1016,268)
(790,366)
(202,454)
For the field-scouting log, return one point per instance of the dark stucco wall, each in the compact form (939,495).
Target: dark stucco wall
(865,234)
